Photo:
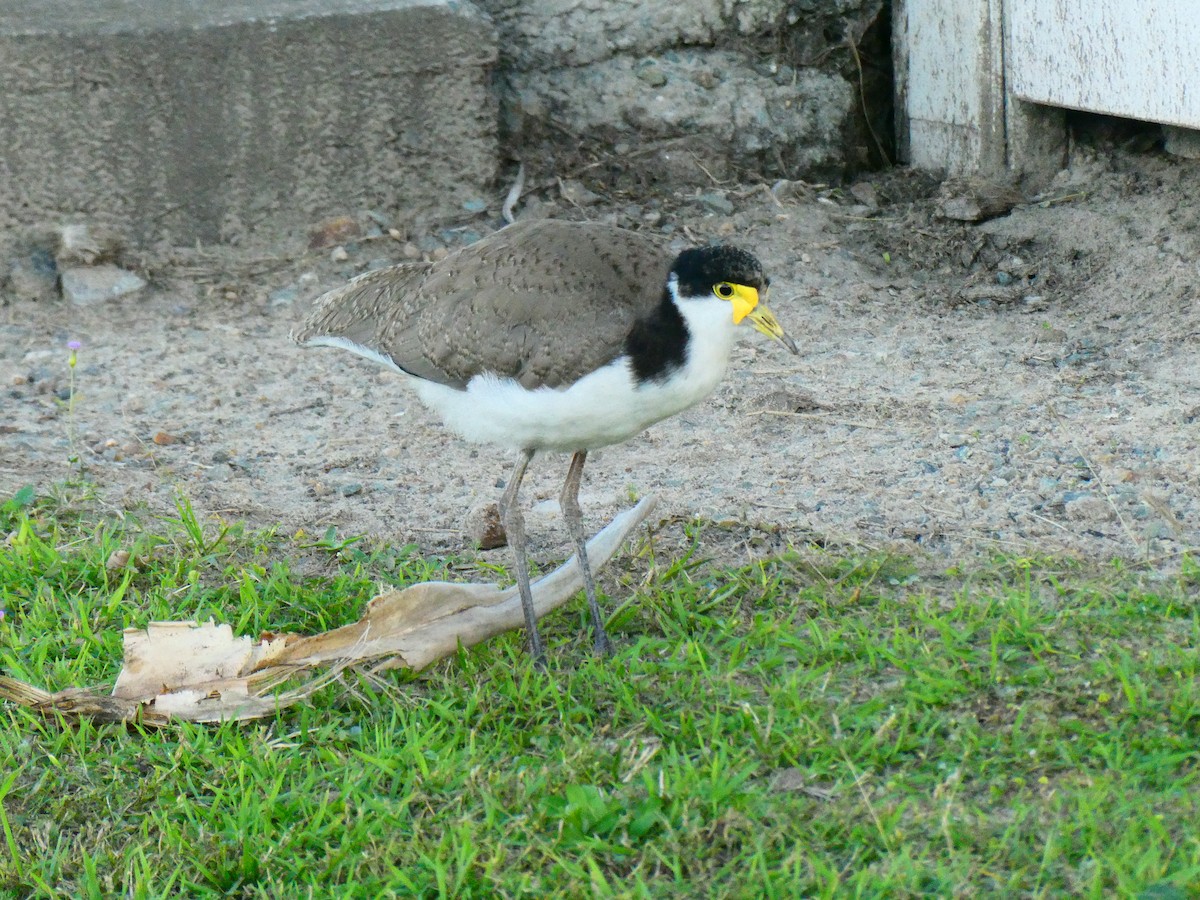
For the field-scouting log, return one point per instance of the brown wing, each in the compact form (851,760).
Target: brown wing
(542,302)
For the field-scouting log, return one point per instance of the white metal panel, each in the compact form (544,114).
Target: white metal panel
(949,57)
(1134,58)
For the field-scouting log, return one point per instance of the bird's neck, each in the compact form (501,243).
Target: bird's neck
(658,342)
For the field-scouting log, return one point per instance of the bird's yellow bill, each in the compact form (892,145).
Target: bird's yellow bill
(764,320)
(745,305)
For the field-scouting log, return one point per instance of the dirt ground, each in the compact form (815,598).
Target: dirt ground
(1024,385)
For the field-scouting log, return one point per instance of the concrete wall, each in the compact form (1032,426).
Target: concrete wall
(246,122)
(182,122)
(763,86)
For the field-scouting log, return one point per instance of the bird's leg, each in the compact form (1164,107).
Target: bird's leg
(569,501)
(514,526)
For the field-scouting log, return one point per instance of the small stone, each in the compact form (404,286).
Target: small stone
(221,456)
(864,193)
(652,75)
(716,202)
(352,489)
(706,79)
(117,560)
(163,439)
(1156,531)
(956,440)
(484,528)
(284,296)
(411,250)
(335,231)
(1003,278)
(86,285)
(576,193)
(440,253)
(973,199)
(474,205)
(339,254)
(1088,508)
(785,400)
(791,190)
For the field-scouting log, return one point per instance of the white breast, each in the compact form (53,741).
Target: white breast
(604,407)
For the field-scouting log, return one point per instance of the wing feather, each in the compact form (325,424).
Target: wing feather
(541,302)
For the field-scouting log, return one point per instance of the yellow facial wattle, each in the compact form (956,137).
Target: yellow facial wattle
(741,297)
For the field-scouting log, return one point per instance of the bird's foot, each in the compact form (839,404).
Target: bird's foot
(603,646)
(537,651)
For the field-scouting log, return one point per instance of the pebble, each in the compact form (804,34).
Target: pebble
(652,75)
(1088,508)
(1156,530)
(716,202)
(117,560)
(576,192)
(864,192)
(339,254)
(483,526)
(219,472)
(163,439)
(283,296)
(352,489)
(88,285)
(475,205)
(334,231)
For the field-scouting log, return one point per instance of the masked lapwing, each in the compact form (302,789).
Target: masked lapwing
(551,335)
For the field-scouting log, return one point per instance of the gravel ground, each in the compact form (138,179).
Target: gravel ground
(1024,385)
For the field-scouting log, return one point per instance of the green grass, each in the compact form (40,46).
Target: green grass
(812,725)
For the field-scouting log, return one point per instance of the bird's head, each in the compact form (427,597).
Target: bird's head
(735,277)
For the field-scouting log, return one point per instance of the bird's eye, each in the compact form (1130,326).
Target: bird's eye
(724,290)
